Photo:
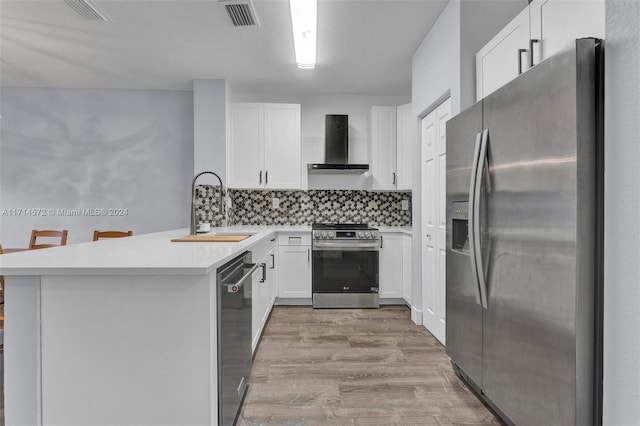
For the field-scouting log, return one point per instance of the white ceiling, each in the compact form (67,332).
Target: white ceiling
(364,46)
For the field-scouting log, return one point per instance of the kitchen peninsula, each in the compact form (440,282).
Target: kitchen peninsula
(116,332)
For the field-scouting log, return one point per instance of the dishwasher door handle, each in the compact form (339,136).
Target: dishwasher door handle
(235,287)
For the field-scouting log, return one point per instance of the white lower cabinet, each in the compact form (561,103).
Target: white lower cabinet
(264,284)
(407,274)
(294,266)
(391,268)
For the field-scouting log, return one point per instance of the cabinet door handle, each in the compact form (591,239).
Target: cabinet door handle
(531,43)
(264,272)
(520,52)
(394,178)
(381,238)
(273,261)
(308,255)
(260,177)
(266,177)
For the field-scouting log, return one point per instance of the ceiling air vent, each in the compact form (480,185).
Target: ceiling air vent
(88,10)
(241,13)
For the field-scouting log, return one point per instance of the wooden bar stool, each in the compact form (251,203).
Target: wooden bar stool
(49,234)
(111,234)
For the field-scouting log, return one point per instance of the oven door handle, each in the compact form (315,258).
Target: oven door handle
(331,246)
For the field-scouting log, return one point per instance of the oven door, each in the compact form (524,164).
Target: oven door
(345,269)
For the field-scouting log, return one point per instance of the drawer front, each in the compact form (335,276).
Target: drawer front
(294,238)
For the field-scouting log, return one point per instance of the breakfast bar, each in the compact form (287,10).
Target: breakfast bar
(115,332)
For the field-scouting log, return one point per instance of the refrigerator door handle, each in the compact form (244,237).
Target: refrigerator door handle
(472,215)
(480,170)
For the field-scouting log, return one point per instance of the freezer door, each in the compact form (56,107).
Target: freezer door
(464,313)
(539,243)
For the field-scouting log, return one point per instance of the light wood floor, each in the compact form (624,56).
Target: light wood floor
(355,367)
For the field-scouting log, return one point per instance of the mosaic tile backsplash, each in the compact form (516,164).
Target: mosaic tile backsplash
(305,207)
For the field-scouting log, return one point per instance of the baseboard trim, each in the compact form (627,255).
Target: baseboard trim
(416,315)
(301,301)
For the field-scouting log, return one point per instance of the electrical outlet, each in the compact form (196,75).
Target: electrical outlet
(275,203)
(405,204)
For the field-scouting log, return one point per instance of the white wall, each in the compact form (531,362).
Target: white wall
(313,111)
(622,220)
(210,129)
(435,72)
(92,148)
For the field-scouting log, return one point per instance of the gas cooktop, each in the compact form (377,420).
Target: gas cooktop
(342,226)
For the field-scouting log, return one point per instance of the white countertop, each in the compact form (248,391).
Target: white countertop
(401,229)
(148,254)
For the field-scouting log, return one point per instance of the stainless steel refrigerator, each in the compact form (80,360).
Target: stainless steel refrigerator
(524,242)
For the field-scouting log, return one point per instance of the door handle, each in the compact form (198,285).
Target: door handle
(308,255)
(394,178)
(472,215)
(381,238)
(266,177)
(264,272)
(531,43)
(482,162)
(520,52)
(260,177)
(273,261)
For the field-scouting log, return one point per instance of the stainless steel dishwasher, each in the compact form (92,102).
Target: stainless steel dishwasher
(234,335)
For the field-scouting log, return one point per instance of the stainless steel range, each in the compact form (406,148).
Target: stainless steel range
(345,266)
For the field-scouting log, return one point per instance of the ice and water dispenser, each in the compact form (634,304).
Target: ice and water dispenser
(460,226)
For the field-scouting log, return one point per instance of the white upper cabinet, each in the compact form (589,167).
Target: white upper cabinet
(264,146)
(406,136)
(555,23)
(542,29)
(245,156)
(282,146)
(504,57)
(382,133)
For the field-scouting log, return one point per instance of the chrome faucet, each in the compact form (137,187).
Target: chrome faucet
(193,194)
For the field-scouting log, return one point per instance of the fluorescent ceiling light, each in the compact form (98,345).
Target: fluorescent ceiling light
(304,23)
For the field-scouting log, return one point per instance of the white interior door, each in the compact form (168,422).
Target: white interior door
(434,190)
(428,140)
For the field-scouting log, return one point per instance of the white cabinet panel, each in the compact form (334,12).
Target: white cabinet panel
(406,139)
(263,288)
(382,123)
(504,57)
(245,153)
(294,272)
(542,29)
(264,146)
(407,274)
(556,23)
(391,267)
(257,306)
(282,146)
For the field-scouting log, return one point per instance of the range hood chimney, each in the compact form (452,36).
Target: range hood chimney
(336,148)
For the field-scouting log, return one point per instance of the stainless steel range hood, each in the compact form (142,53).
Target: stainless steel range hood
(336,149)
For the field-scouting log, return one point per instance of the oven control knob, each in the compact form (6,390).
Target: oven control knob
(360,234)
(367,234)
(331,234)
(374,235)
(316,234)
(324,234)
